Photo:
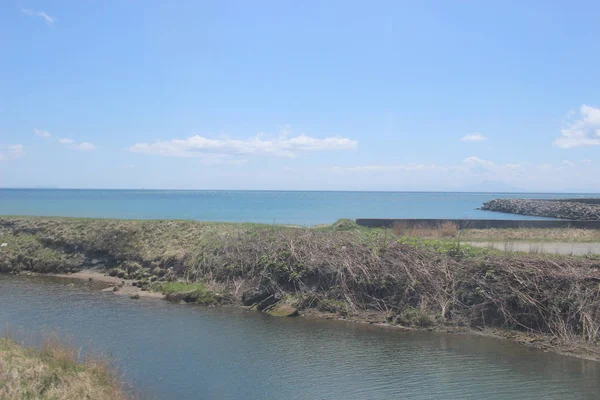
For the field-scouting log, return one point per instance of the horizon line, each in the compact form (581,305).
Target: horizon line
(302,190)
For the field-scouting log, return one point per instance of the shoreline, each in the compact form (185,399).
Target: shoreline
(536,341)
(387,277)
(124,286)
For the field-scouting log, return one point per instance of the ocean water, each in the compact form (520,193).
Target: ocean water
(281,207)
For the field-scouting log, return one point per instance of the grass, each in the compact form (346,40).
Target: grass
(453,248)
(450,231)
(446,230)
(532,235)
(189,292)
(54,372)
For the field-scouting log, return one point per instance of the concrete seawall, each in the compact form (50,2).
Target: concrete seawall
(477,223)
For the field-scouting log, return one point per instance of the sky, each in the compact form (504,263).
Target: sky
(300,95)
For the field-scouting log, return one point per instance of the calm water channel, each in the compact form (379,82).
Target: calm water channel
(171,351)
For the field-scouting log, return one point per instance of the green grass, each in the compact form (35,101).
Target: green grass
(188,292)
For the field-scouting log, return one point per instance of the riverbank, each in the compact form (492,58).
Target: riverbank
(54,372)
(563,209)
(107,283)
(339,271)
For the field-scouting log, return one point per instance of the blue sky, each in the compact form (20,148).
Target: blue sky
(335,95)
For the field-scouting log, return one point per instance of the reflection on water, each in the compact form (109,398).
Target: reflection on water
(184,352)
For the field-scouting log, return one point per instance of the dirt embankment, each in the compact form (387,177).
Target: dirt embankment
(571,210)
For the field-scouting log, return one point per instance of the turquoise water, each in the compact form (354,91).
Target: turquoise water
(171,351)
(282,207)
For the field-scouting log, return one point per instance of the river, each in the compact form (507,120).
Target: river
(172,351)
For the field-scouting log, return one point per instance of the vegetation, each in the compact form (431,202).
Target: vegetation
(343,269)
(54,372)
(188,292)
(531,235)
(450,231)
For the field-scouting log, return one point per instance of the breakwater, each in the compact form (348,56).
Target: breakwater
(476,223)
(571,210)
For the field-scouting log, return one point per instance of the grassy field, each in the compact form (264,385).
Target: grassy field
(449,231)
(396,277)
(54,372)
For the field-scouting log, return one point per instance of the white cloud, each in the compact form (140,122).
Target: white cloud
(476,161)
(568,163)
(77,146)
(41,133)
(83,146)
(261,144)
(49,20)
(474,137)
(586,161)
(11,152)
(582,132)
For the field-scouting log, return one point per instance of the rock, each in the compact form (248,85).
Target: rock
(3,244)
(570,209)
(71,284)
(29,274)
(134,296)
(109,289)
(133,283)
(283,310)
(254,296)
(269,301)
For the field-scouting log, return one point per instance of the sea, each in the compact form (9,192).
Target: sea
(305,208)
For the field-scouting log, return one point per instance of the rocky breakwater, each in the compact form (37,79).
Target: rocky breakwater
(545,208)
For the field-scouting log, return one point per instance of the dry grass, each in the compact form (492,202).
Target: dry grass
(446,230)
(532,235)
(450,230)
(54,372)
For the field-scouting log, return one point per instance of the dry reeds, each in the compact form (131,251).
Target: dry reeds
(447,229)
(54,372)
